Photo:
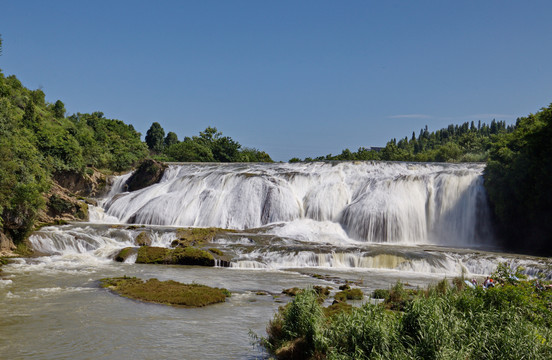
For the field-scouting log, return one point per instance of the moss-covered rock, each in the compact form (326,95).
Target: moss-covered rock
(216,251)
(178,256)
(143,239)
(191,256)
(337,307)
(291,291)
(349,294)
(197,236)
(166,292)
(152,255)
(125,253)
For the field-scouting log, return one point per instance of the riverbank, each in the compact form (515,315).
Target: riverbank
(510,321)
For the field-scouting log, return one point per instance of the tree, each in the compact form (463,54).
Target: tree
(154,137)
(171,139)
(59,109)
(517,179)
(190,151)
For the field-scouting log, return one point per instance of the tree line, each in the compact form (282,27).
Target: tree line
(209,146)
(467,142)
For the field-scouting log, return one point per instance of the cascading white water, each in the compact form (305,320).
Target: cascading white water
(407,203)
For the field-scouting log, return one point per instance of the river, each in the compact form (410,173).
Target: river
(301,225)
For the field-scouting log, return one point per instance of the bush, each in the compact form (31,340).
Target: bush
(439,323)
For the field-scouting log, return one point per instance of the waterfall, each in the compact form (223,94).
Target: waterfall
(375,202)
(405,217)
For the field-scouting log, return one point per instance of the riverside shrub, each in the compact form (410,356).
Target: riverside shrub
(505,322)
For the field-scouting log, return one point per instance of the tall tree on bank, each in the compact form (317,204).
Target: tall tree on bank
(518,181)
(171,139)
(155,137)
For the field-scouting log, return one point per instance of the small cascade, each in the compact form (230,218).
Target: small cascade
(103,241)
(95,243)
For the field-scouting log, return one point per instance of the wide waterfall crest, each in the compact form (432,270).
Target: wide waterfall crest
(372,201)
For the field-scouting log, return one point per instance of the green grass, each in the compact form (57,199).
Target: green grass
(511,321)
(166,292)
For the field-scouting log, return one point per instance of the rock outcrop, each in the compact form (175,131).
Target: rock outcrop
(148,173)
(6,245)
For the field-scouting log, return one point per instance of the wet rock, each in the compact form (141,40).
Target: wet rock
(124,254)
(178,256)
(143,239)
(148,173)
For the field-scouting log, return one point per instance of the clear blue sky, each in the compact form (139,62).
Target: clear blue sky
(293,78)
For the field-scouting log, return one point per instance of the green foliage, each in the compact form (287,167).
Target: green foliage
(190,151)
(110,144)
(170,139)
(456,143)
(517,179)
(211,146)
(508,322)
(154,137)
(59,109)
(253,155)
(301,319)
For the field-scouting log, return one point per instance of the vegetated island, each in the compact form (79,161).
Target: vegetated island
(512,320)
(165,292)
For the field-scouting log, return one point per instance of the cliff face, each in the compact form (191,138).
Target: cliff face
(91,184)
(68,199)
(6,245)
